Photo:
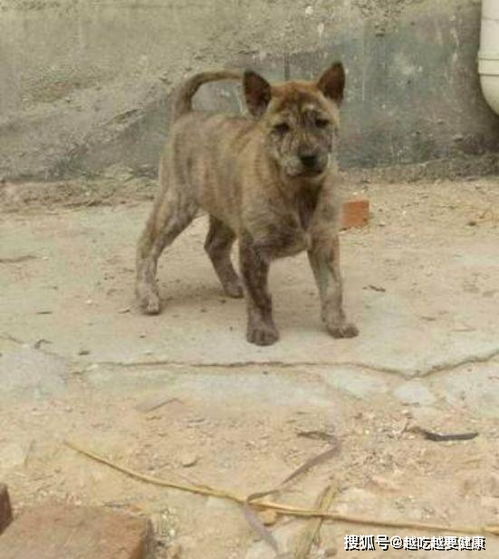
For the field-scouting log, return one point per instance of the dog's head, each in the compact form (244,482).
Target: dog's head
(300,119)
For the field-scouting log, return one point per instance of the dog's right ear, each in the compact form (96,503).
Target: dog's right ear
(257,92)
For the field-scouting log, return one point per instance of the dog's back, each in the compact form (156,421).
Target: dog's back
(199,154)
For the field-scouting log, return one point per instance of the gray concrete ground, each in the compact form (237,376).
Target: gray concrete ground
(76,359)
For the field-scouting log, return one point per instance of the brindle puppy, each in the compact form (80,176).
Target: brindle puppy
(268,180)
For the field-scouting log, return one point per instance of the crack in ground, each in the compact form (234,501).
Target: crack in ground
(444,367)
(236,364)
(36,347)
(449,366)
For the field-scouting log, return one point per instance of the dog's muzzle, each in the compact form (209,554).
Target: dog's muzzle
(313,164)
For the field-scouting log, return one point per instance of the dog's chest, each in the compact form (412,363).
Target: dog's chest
(306,205)
(283,229)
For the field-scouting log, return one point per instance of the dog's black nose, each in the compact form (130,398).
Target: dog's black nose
(309,160)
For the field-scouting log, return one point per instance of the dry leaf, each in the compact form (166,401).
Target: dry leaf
(313,526)
(17,259)
(259,528)
(154,403)
(317,435)
(439,437)
(315,461)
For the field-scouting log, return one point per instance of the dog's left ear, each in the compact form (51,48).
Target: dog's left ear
(332,82)
(257,92)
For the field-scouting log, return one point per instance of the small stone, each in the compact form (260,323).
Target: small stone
(268,517)
(189,459)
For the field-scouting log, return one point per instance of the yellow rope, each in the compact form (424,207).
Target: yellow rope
(285,509)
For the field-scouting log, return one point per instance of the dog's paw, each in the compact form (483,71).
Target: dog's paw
(343,330)
(149,304)
(152,306)
(234,290)
(263,334)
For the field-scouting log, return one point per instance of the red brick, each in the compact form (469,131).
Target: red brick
(5,508)
(355,213)
(66,532)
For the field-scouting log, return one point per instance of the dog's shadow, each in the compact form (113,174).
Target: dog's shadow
(191,300)
(181,295)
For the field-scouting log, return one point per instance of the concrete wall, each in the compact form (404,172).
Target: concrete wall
(84,84)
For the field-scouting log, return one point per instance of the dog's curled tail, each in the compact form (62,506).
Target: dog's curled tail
(182,103)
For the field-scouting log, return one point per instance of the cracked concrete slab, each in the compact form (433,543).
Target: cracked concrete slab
(476,387)
(75,292)
(414,392)
(28,373)
(244,385)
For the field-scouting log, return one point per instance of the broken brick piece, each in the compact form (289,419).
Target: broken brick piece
(5,508)
(355,213)
(62,531)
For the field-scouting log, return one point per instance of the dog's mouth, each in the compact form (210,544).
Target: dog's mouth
(312,173)
(306,173)
(313,166)
(296,167)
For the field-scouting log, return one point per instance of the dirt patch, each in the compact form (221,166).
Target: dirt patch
(382,470)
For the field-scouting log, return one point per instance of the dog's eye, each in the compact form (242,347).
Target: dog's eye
(321,122)
(281,128)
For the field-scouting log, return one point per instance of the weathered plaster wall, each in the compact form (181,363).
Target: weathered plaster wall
(84,84)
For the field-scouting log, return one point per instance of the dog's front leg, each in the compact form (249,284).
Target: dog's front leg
(324,257)
(261,329)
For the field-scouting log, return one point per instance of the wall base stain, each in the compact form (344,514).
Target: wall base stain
(85,85)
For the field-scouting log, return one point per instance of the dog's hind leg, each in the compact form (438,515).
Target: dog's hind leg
(173,211)
(218,245)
